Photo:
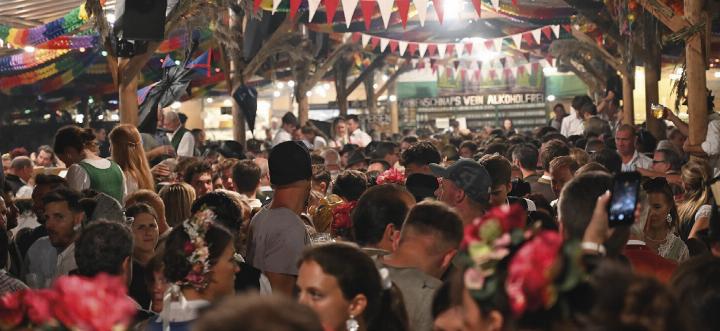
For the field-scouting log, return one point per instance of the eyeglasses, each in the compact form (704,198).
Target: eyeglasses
(659,161)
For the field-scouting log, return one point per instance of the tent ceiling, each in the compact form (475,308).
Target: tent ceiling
(29,13)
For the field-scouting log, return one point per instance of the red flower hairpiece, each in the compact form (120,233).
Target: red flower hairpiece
(391,176)
(341,218)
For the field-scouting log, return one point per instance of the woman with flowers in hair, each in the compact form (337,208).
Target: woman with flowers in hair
(343,286)
(200,266)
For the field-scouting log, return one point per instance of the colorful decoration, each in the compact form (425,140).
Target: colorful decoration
(67,24)
(342,223)
(73,303)
(47,71)
(25,61)
(49,78)
(391,176)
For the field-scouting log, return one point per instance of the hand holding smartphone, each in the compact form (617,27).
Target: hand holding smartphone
(626,189)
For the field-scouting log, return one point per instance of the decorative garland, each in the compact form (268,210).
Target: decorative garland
(67,24)
(45,72)
(26,61)
(70,42)
(52,83)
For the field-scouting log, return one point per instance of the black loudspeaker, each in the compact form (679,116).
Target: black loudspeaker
(140,19)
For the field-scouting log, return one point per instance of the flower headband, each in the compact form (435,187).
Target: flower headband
(391,176)
(538,266)
(196,250)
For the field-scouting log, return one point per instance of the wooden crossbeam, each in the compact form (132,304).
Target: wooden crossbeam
(665,14)
(377,63)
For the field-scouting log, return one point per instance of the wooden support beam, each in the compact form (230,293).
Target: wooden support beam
(277,41)
(695,71)
(665,14)
(377,63)
(607,57)
(328,65)
(628,84)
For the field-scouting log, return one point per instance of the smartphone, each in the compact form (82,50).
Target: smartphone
(626,188)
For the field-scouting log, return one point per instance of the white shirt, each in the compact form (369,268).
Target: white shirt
(572,125)
(280,137)
(360,138)
(319,142)
(187,144)
(79,180)
(711,145)
(44,264)
(638,161)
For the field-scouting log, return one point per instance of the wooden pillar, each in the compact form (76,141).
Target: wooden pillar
(394,116)
(370,93)
(303,108)
(235,79)
(652,75)
(696,83)
(341,70)
(628,85)
(127,99)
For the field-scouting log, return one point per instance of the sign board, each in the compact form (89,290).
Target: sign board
(495,99)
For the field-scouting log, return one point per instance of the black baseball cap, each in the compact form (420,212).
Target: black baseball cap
(289,162)
(469,175)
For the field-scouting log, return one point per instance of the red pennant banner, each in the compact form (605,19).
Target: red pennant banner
(374,42)
(450,49)
(330,9)
(567,27)
(529,38)
(368,9)
(393,46)
(489,45)
(477,75)
(356,37)
(478,6)
(456,64)
(403,10)
(432,50)
(469,48)
(547,31)
(437,5)
(412,48)
(294,6)
(448,72)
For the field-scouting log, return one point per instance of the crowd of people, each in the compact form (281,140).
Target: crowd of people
(492,229)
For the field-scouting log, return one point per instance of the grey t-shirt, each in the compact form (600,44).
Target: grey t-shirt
(277,240)
(418,290)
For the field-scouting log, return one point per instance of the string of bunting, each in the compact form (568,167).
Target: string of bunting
(406,48)
(475,70)
(67,24)
(45,71)
(369,8)
(57,81)
(26,61)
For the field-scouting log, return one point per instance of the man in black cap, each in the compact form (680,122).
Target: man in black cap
(357,161)
(277,234)
(465,186)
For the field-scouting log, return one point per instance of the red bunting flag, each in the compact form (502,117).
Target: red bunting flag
(456,64)
(403,10)
(374,42)
(437,5)
(432,49)
(393,46)
(469,48)
(356,37)
(547,31)
(330,9)
(412,48)
(450,49)
(567,27)
(294,6)
(478,6)
(477,75)
(368,9)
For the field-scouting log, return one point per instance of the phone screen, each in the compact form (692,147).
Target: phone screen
(624,199)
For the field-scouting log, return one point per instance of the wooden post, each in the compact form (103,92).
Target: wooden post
(342,69)
(696,83)
(628,111)
(234,72)
(394,116)
(303,108)
(370,93)
(652,75)
(127,95)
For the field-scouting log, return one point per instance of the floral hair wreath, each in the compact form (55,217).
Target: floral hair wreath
(196,249)
(391,176)
(532,266)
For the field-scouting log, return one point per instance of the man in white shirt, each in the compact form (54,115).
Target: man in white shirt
(625,139)
(180,138)
(573,123)
(246,177)
(357,136)
(54,256)
(289,125)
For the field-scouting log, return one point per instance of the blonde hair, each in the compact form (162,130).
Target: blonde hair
(128,153)
(695,177)
(179,198)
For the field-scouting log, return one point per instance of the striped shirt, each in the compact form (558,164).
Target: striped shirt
(9,284)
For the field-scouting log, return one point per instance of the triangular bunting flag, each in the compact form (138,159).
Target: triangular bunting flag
(403,10)
(356,37)
(469,48)
(403,47)
(503,61)
(423,48)
(276,4)
(330,10)
(438,7)
(456,64)
(498,44)
(478,6)
(567,27)
(368,9)
(414,63)
(527,57)
(528,68)
(489,45)
(432,49)
(536,35)
(517,39)
(349,10)
(374,42)
(294,6)
(421,7)
(457,74)
(393,46)
(547,31)
(384,44)
(412,48)
(495,4)
(478,75)
(386,7)
(441,49)
(312,6)
(450,49)
(459,48)
(365,40)
(514,72)
(556,30)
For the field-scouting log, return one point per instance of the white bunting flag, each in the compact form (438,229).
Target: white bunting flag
(276,4)
(403,47)
(441,49)
(498,44)
(495,4)
(528,68)
(459,47)
(474,65)
(556,30)
(423,48)
(517,39)
(514,71)
(421,7)
(386,7)
(414,63)
(457,73)
(349,10)
(384,44)
(536,35)
(476,47)
(365,39)
(313,6)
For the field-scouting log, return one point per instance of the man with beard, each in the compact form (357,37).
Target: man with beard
(43,185)
(54,256)
(277,234)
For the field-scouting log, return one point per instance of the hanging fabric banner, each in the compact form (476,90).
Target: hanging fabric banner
(556,30)
(312,7)
(386,7)
(517,39)
(421,7)
(276,4)
(365,40)
(438,7)
(441,49)
(330,10)
(536,35)
(403,10)
(349,10)
(403,47)
(294,6)
(478,6)
(384,44)
(423,48)
(368,9)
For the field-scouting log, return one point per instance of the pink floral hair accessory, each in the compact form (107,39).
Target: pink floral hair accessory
(391,176)
(196,250)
